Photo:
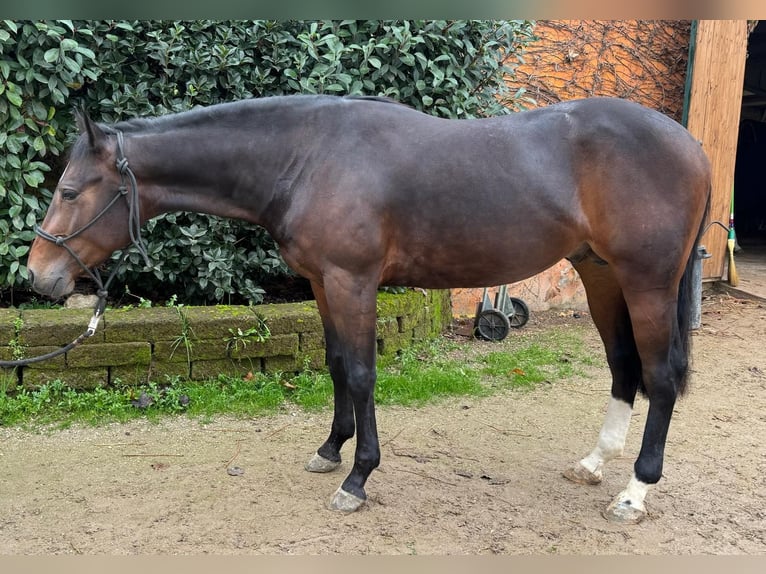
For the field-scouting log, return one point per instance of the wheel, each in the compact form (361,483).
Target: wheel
(520,313)
(492,325)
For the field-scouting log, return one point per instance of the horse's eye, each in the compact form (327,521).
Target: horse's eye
(69,194)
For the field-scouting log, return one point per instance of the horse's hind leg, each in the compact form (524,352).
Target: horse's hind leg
(644,347)
(611,317)
(664,363)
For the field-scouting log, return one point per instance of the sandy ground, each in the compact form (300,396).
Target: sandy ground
(466,476)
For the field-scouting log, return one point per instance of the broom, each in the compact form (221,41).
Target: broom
(731,242)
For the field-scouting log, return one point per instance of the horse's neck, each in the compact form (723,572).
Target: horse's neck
(214,176)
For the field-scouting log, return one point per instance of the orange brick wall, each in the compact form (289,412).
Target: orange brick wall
(640,60)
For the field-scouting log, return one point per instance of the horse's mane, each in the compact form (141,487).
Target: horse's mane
(384,99)
(195,115)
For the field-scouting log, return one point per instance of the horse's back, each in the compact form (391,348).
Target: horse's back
(487,201)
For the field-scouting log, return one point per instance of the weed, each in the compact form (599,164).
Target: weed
(239,339)
(309,389)
(17,347)
(142,303)
(185,338)
(35,303)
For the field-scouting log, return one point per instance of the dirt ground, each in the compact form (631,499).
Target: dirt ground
(466,476)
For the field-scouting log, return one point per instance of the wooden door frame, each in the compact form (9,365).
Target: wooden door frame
(715,80)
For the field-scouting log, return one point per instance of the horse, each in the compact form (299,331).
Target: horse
(362,192)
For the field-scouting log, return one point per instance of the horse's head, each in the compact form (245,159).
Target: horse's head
(88,219)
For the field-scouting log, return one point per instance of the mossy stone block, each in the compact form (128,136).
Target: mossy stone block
(314,359)
(201,370)
(410,320)
(132,344)
(131,325)
(283,364)
(77,378)
(206,350)
(56,326)
(132,375)
(389,346)
(291,317)
(7,325)
(312,340)
(387,327)
(110,355)
(275,345)
(170,352)
(56,362)
(215,322)
(440,304)
(160,370)
(399,304)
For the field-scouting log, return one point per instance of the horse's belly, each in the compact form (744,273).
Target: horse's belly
(466,265)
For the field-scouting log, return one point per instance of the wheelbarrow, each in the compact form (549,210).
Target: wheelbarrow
(494,322)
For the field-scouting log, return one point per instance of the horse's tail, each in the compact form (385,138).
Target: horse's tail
(686,304)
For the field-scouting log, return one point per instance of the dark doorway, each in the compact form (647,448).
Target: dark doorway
(750,171)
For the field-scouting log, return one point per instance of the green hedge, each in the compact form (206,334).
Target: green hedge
(121,69)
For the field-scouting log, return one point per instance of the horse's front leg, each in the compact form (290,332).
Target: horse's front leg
(361,384)
(328,458)
(349,316)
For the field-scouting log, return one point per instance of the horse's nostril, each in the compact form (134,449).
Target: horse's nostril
(31,276)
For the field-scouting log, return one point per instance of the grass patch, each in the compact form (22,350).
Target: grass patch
(557,355)
(422,374)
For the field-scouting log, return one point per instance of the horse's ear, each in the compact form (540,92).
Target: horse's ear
(96,135)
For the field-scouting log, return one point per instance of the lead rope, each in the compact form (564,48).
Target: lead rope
(134,227)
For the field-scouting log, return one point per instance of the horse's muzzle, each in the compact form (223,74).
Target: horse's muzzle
(53,286)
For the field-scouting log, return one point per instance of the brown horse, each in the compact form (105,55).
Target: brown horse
(363,192)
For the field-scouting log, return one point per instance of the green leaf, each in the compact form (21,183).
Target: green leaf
(14,146)
(51,55)
(33,179)
(87,52)
(72,64)
(39,111)
(13,98)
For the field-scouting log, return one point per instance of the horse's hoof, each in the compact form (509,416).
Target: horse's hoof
(623,512)
(319,463)
(581,475)
(345,501)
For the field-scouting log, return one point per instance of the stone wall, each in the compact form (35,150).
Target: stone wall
(136,345)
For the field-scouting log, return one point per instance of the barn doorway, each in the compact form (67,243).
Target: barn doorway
(750,168)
